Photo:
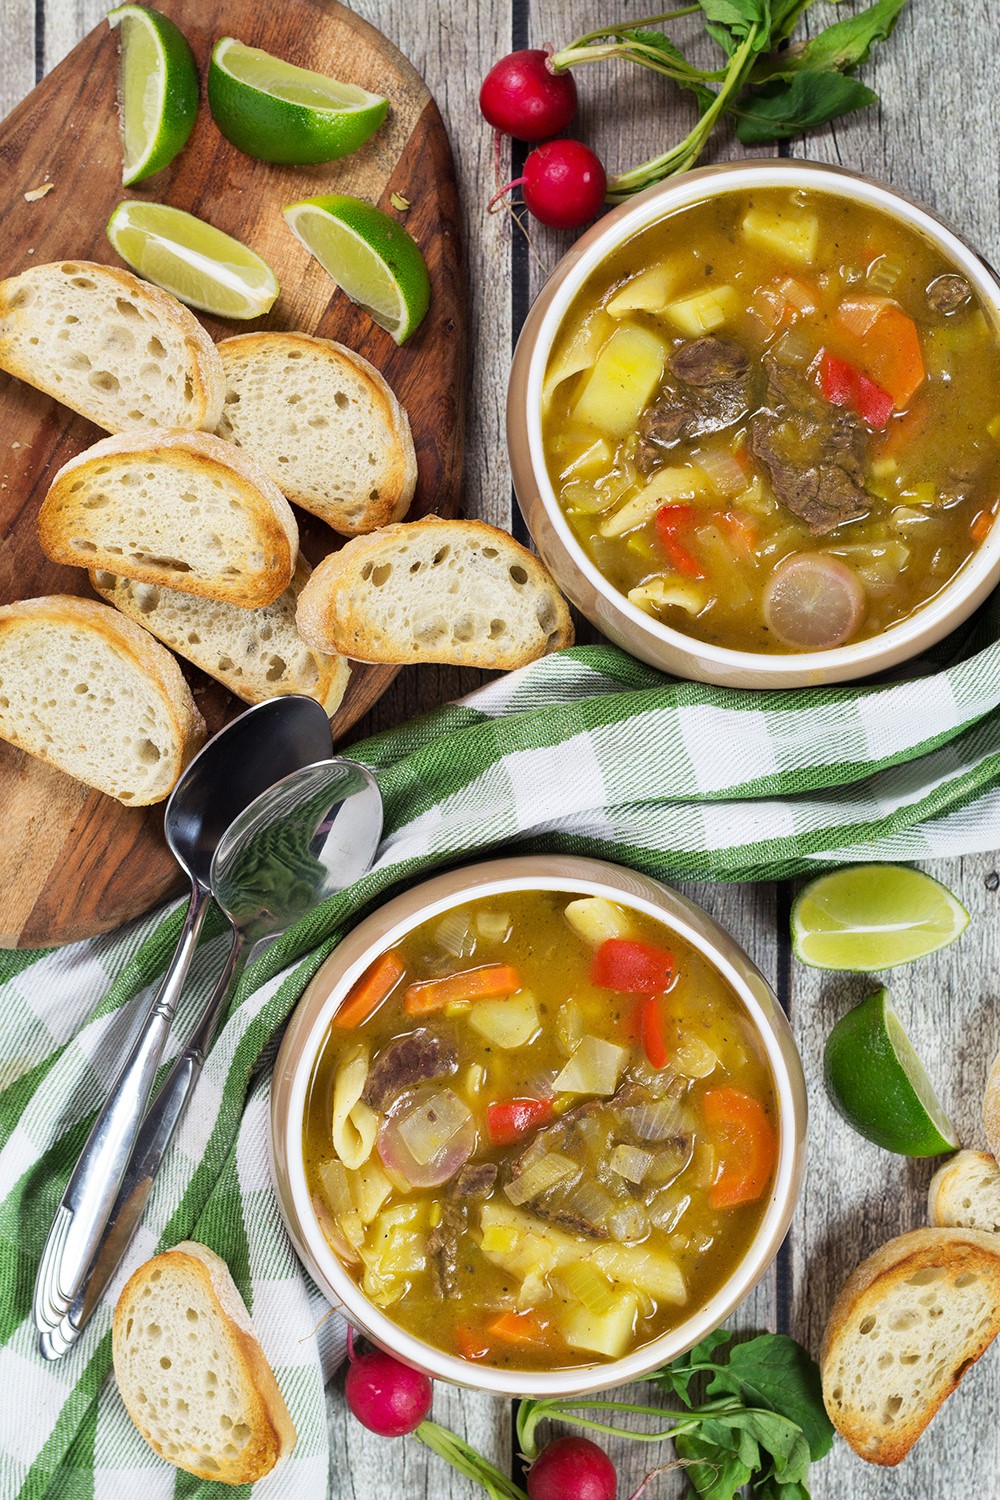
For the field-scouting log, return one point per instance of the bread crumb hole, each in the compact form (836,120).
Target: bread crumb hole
(84,283)
(153,1331)
(967,1278)
(442,555)
(518,575)
(381,574)
(866,1325)
(241,1432)
(192,1315)
(925,1277)
(490,552)
(276,670)
(126,308)
(341,401)
(497,629)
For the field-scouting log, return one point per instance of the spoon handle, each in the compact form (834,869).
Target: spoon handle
(91,1191)
(156,1133)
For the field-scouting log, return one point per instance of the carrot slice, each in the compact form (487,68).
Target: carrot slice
(470,1342)
(981,527)
(370,990)
(488,983)
(887,345)
(517,1328)
(746,1142)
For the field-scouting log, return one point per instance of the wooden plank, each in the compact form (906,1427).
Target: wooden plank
(451,44)
(17,55)
(857,1196)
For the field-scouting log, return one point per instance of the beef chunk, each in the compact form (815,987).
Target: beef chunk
(813,452)
(408,1061)
(710,361)
(475,1180)
(708,389)
(442,1249)
(948,292)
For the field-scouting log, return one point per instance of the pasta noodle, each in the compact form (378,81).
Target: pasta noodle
(354,1125)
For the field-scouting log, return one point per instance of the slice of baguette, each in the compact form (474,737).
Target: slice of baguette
(118,350)
(434,590)
(906,1327)
(89,692)
(191,1372)
(965,1193)
(323,423)
(181,509)
(257,653)
(991,1109)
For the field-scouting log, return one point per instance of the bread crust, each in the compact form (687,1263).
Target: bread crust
(398,481)
(200,452)
(273,1433)
(331,618)
(130,641)
(206,372)
(958,1250)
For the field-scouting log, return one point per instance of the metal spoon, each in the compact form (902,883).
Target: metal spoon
(266,742)
(309,836)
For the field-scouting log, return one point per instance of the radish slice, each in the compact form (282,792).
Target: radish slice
(428,1136)
(813,602)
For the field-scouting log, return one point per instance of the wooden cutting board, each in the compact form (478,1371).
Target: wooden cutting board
(72,861)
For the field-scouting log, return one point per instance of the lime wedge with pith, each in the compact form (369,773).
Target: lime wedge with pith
(879,1085)
(157,90)
(277,112)
(871,917)
(195,261)
(369,255)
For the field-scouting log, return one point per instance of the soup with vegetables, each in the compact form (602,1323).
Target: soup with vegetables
(773,420)
(542,1131)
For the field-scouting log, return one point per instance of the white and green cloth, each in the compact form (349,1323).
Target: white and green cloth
(584,752)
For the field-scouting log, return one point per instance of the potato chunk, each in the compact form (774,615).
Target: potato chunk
(792,236)
(704,311)
(624,377)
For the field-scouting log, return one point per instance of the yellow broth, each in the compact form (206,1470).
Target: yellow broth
(563,1293)
(805,284)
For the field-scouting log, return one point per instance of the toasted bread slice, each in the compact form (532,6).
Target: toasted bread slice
(191,1371)
(257,653)
(906,1327)
(181,509)
(434,590)
(89,692)
(965,1193)
(323,423)
(118,350)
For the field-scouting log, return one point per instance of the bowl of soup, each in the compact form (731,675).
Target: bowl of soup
(538,1125)
(754,425)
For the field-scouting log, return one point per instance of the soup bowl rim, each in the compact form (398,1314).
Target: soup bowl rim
(581,579)
(388,925)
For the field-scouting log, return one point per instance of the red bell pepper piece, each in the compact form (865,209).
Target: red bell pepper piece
(845,385)
(632,968)
(509,1120)
(670,519)
(651,1025)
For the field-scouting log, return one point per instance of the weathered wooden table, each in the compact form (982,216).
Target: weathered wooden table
(934,137)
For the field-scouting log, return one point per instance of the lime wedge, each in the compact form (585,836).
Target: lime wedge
(195,261)
(277,112)
(873,917)
(879,1085)
(370,256)
(157,90)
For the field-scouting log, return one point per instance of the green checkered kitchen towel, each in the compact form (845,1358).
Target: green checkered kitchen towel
(584,752)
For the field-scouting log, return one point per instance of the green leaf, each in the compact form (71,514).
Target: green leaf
(775,1371)
(787,107)
(712,1473)
(672,54)
(676,1377)
(784,18)
(848,43)
(730,22)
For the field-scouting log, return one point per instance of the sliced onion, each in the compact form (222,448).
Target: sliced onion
(630,1162)
(428,1136)
(540,1176)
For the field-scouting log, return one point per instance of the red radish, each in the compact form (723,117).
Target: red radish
(572,1468)
(563,184)
(385,1395)
(524,97)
